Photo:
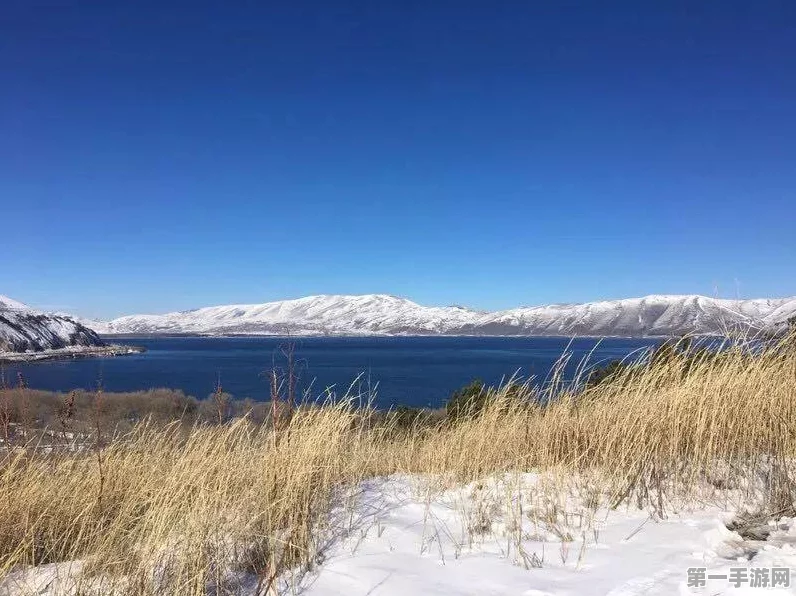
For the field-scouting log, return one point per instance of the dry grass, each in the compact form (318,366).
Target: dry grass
(165,510)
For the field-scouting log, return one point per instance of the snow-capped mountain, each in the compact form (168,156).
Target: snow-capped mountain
(23,329)
(372,314)
(377,314)
(650,315)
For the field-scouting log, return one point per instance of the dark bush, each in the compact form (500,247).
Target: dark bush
(605,373)
(467,402)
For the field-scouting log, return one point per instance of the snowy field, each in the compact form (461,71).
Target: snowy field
(401,536)
(409,545)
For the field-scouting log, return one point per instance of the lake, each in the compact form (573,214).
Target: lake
(411,371)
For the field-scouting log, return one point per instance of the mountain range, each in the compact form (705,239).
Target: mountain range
(379,314)
(23,329)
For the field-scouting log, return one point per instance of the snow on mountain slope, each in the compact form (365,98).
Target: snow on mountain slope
(23,329)
(326,314)
(783,311)
(377,314)
(650,315)
(8,303)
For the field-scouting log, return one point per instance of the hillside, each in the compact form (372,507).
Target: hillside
(23,329)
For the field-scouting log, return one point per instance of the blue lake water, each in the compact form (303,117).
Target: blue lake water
(413,371)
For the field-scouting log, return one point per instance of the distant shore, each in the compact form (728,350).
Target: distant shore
(70,353)
(314,335)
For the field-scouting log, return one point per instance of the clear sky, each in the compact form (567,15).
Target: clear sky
(166,155)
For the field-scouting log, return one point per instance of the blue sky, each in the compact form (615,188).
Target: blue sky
(160,156)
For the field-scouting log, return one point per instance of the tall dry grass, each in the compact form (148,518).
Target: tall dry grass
(169,511)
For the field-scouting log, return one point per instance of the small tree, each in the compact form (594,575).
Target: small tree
(221,401)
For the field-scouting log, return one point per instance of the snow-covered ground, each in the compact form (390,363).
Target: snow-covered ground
(378,314)
(409,545)
(400,537)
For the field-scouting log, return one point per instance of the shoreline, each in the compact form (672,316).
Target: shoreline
(208,335)
(70,353)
